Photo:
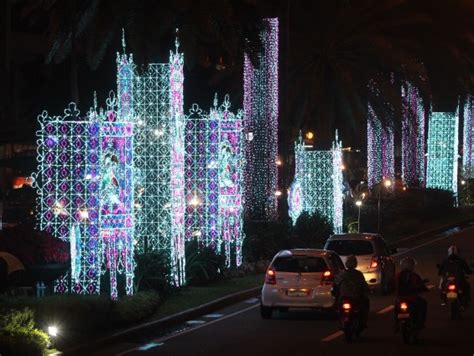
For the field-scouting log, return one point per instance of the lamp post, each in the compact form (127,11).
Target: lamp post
(359,204)
(387,183)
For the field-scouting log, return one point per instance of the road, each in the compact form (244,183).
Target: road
(239,329)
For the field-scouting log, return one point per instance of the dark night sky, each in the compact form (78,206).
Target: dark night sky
(328,51)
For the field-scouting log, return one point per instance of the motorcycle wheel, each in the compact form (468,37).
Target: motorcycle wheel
(348,333)
(454,309)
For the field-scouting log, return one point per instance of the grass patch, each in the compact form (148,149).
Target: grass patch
(191,297)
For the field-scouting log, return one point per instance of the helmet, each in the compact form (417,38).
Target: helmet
(452,250)
(408,264)
(351,262)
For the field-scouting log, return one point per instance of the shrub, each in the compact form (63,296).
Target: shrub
(310,231)
(128,310)
(203,263)
(19,336)
(152,272)
(263,239)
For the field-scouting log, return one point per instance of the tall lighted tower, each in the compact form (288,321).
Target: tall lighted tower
(468,138)
(261,126)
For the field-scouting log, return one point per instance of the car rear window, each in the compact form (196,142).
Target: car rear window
(300,264)
(351,247)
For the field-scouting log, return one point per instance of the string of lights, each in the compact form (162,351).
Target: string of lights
(413,137)
(468,138)
(442,165)
(261,127)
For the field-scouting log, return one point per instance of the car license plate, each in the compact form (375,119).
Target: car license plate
(452,295)
(403,316)
(297,293)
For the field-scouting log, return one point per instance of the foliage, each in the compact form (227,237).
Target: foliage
(264,239)
(203,263)
(152,272)
(33,247)
(311,231)
(18,335)
(128,310)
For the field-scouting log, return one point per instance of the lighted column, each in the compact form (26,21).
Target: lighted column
(261,127)
(380,150)
(468,138)
(442,167)
(413,137)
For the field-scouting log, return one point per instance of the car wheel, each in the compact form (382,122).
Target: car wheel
(265,312)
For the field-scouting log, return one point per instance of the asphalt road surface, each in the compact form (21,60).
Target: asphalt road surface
(239,329)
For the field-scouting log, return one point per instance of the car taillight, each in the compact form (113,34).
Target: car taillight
(346,306)
(270,277)
(374,263)
(452,287)
(403,307)
(327,278)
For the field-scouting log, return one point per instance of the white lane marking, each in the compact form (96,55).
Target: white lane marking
(194,322)
(429,242)
(333,336)
(213,316)
(172,336)
(386,309)
(149,346)
(251,301)
(430,286)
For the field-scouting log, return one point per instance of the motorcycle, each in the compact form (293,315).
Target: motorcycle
(405,311)
(351,319)
(454,297)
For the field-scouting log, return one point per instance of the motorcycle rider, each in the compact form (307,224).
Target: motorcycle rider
(457,267)
(351,284)
(409,285)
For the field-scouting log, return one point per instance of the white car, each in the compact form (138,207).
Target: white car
(373,257)
(300,278)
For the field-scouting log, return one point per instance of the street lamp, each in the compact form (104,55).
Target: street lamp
(359,204)
(387,183)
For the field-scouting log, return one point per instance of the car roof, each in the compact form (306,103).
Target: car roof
(305,252)
(356,236)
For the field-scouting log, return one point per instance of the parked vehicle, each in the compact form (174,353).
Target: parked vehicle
(373,256)
(300,278)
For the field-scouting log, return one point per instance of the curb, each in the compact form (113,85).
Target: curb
(169,320)
(427,233)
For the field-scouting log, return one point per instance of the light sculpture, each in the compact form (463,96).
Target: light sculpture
(213,178)
(413,137)
(85,194)
(468,138)
(261,126)
(380,150)
(442,166)
(159,160)
(318,184)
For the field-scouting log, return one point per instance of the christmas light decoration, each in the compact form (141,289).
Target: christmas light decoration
(159,160)
(468,138)
(442,167)
(318,183)
(413,137)
(213,178)
(85,194)
(380,150)
(261,127)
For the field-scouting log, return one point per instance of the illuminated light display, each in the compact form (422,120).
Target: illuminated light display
(261,127)
(159,160)
(85,194)
(318,184)
(442,166)
(213,178)
(380,150)
(413,137)
(468,138)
